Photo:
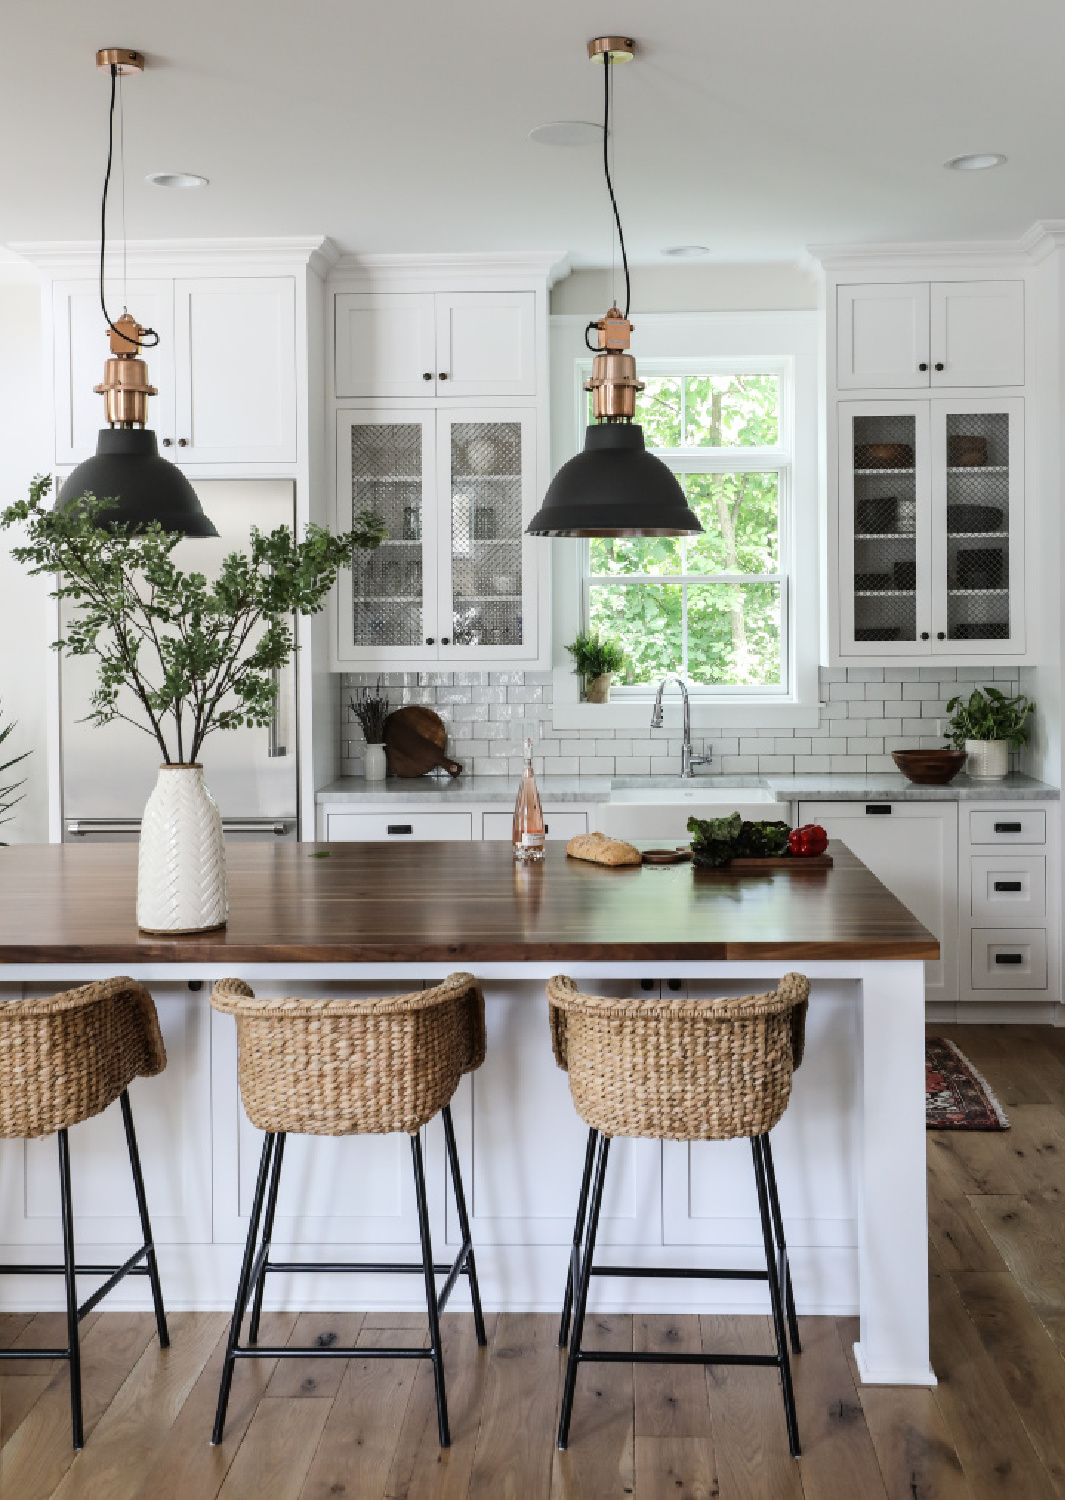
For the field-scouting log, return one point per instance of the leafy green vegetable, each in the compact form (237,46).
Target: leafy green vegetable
(718,841)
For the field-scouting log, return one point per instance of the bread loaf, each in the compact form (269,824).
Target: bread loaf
(598,849)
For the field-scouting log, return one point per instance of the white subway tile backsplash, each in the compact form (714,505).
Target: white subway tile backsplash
(868,712)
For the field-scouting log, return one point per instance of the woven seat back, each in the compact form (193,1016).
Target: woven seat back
(66,1057)
(354,1067)
(684,1070)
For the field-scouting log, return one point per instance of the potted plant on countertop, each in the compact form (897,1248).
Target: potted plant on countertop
(985,725)
(596,658)
(371,710)
(180,658)
(7,793)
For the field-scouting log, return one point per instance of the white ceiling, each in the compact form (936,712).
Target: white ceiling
(750,126)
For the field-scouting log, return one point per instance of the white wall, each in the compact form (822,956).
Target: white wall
(24,451)
(701,287)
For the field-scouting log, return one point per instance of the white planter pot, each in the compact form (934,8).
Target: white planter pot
(988,759)
(181,872)
(376,767)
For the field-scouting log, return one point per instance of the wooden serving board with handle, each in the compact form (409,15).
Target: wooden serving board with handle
(416,743)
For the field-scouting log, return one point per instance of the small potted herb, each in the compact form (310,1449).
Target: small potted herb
(371,710)
(985,726)
(596,658)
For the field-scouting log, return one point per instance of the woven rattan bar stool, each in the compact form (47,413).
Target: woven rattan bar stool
(63,1059)
(684,1070)
(352,1067)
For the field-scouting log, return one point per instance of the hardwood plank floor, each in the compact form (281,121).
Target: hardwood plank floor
(991,1430)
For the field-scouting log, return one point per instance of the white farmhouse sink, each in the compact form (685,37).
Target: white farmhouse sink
(663,812)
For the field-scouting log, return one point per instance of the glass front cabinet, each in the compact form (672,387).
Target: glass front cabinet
(455,579)
(931,529)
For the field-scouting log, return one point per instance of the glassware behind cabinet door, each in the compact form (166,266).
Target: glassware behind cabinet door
(528,814)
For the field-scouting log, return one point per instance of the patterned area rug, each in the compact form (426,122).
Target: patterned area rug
(956,1097)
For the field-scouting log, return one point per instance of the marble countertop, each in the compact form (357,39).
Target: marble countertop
(873,786)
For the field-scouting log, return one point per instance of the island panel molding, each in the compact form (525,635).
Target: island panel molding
(451,903)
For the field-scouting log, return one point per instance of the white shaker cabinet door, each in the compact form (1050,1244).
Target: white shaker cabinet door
(485,344)
(912,848)
(385,344)
(977,333)
(235,357)
(882,336)
(81,346)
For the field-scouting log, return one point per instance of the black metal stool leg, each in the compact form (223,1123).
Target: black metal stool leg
(268,1234)
(242,1290)
(71,1281)
(578,1234)
(582,1292)
(430,1292)
(146,1225)
(784,1265)
(776,1297)
(464,1224)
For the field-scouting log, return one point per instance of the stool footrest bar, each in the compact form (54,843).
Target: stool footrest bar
(21,1270)
(684,1273)
(648,1357)
(34,1353)
(289,1351)
(111,1282)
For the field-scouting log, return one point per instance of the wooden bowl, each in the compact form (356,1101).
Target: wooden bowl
(884,455)
(929,767)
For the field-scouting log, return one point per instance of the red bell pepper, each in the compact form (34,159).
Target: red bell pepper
(810,839)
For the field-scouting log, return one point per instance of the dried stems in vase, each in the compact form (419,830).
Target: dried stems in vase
(371,710)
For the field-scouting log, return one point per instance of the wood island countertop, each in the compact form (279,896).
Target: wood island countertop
(451,903)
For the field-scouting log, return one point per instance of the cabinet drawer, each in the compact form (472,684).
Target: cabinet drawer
(1025,826)
(1009,959)
(398,827)
(560,825)
(1009,892)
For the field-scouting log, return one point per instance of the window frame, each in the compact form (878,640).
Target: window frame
(694,459)
(786,344)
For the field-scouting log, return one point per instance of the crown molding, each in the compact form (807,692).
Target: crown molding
(457,271)
(922,254)
(75,257)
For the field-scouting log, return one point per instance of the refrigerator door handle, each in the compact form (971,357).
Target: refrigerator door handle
(255,825)
(80,828)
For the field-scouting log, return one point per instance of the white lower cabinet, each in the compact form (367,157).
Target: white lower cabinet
(415,825)
(1009,902)
(912,848)
(559,823)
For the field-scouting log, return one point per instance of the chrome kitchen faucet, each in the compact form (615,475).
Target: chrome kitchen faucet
(687,759)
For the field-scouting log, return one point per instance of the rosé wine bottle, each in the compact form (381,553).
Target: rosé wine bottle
(528,815)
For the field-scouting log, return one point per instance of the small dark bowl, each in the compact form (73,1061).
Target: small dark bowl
(929,767)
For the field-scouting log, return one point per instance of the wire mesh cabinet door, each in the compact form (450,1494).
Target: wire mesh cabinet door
(978,527)
(387,600)
(885,554)
(487,581)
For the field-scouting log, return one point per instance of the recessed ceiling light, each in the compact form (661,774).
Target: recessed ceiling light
(567,133)
(687,252)
(979,161)
(176,179)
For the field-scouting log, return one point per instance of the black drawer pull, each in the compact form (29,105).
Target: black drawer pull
(1007,828)
(1009,958)
(882,809)
(1007,885)
(647,984)
(401,828)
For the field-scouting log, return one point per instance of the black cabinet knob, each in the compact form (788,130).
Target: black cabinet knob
(430,640)
(941,635)
(183,442)
(923,365)
(428,375)
(442,375)
(445,640)
(939,365)
(167,442)
(924,635)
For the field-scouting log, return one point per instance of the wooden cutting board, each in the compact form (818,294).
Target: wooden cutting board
(416,743)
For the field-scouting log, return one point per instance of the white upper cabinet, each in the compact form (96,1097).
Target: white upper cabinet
(977,332)
(916,335)
(224,367)
(412,344)
(485,344)
(882,336)
(235,362)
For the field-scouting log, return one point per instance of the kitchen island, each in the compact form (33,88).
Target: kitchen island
(376,918)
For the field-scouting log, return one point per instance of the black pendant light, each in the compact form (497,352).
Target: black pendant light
(615,487)
(127,469)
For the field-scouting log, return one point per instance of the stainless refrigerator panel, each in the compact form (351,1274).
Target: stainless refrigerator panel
(109,771)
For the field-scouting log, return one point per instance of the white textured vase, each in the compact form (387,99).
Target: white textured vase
(376,766)
(988,759)
(181,873)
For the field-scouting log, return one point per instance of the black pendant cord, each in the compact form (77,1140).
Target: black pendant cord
(150,337)
(607,65)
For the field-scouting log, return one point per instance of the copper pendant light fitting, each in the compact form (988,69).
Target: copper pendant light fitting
(615,49)
(125,387)
(123,59)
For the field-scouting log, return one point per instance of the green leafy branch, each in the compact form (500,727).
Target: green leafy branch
(197,657)
(7,793)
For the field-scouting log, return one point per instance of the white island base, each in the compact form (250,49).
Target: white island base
(850,1159)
